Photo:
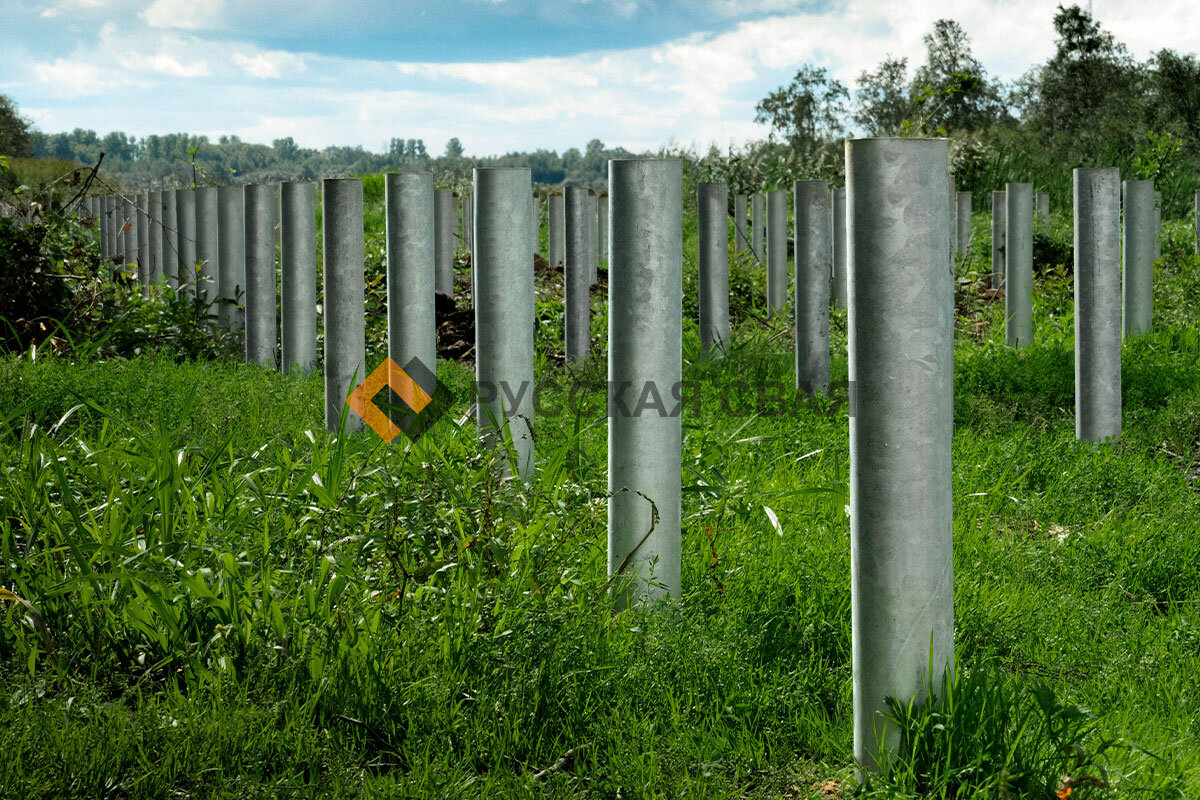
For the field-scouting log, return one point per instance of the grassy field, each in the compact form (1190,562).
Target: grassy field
(204,595)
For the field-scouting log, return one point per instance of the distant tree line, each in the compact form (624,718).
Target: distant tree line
(185,158)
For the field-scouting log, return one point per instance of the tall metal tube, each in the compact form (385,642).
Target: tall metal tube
(1196,214)
(468,207)
(1097,304)
(170,238)
(556,227)
(1137,286)
(412,328)
(185,207)
(756,225)
(602,203)
(535,217)
(208,244)
(443,243)
(963,223)
(298,292)
(343,307)
(143,241)
(741,230)
(1018,264)
(645,367)
(814,263)
(999,226)
(777,261)
(1043,209)
(840,248)
(1157,226)
(712,203)
(593,238)
(128,228)
(106,230)
(258,202)
(901,343)
(577,311)
(156,237)
(231,282)
(504,311)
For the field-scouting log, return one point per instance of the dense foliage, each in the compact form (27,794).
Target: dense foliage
(1089,104)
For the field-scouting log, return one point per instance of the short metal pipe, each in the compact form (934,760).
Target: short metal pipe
(1018,264)
(999,226)
(840,248)
(208,245)
(231,282)
(1137,278)
(343,307)
(741,229)
(185,209)
(1097,304)
(901,346)
(556,227)
(645,368)
(577,310)
(777,260)
(258,202)
(504,313)
(1043,209)
(814,262)
(298,290)
(962,242)
(443,211)
(412,331)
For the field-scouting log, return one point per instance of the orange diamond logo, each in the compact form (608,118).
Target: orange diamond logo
(408,390)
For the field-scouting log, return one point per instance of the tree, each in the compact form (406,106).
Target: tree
(16,133)
(808,111)
(1175,85)
(1088,96)
(881,102)
(119,147)
(454,148)
(285,148)
(951,89)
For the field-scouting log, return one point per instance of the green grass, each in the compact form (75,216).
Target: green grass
(217,599)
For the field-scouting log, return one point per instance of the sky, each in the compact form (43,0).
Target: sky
(500,75)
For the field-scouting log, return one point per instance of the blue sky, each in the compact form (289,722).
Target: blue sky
(499,74)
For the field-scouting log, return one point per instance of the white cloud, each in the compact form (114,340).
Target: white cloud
(272,64)
(185,14)
(67,78)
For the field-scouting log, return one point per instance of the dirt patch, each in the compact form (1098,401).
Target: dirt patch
(455,316)
(455,328)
